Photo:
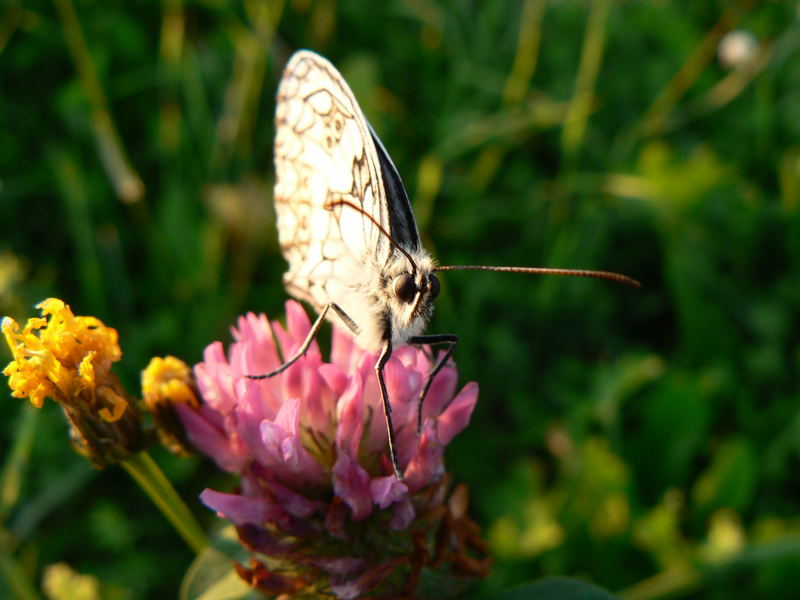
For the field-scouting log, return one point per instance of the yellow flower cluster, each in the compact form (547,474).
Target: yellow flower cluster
(67,358)
(168,379)
(166,382)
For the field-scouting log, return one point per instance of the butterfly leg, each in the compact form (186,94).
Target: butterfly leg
(444,338)
(386,353)
(300,351)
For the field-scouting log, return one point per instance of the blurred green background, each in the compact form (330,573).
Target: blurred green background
(647,440)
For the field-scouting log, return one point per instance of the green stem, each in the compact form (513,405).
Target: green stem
(125,180)
(16,578)
(690,71)
(156,485)
(13,471)
(528,42)
(580,105)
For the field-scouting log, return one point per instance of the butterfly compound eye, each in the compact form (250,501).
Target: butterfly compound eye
(404,287)
(435,286)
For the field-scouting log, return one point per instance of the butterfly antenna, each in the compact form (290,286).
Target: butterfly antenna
(618,277)
(330,204)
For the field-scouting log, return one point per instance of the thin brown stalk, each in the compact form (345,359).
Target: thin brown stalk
(126,182)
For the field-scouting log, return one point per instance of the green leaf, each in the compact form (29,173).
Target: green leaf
(675,418)
(557,588)
(730,481)
(211,576)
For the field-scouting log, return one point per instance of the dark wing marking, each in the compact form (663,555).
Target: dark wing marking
(402,224)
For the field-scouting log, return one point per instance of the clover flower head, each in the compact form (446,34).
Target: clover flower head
(316,487)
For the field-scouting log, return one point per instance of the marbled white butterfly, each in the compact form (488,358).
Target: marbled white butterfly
(346,227)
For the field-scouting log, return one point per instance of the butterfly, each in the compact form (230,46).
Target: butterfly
(346,227)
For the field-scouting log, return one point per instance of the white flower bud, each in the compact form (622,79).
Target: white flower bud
(737,49)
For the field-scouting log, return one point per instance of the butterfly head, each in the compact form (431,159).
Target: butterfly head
(410,291)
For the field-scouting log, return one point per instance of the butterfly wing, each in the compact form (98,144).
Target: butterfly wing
(401,218)
(325,151)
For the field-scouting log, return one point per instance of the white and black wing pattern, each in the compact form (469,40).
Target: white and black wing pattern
(346,228)
(326,151)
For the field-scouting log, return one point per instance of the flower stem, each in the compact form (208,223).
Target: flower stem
(125,180)
(156,485)
(580,106)
(17,579)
